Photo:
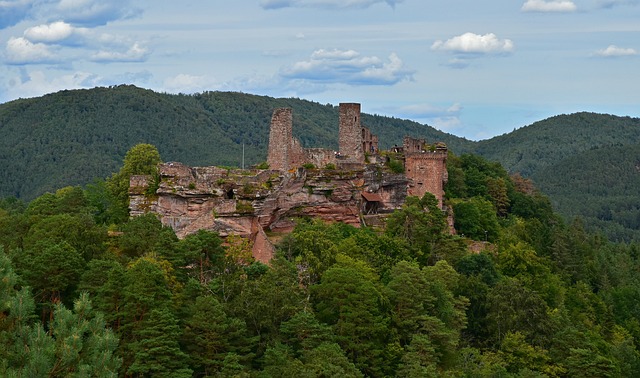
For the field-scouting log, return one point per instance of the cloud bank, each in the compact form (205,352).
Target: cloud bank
(21,51)
(348,67)
(77,12)
(549,6)
(325,4)
(613,51)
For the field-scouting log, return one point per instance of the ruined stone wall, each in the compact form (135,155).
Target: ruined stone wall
(427,172)
(297,154)
(411,145)
(320,157)
(350,133)
(369,141)
(280,139)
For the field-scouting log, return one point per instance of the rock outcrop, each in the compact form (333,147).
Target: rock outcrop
(249,202)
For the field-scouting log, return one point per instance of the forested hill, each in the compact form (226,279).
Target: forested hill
(588,164)
(72,137)
(546,143)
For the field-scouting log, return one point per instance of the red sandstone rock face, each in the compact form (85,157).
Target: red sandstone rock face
(247,202)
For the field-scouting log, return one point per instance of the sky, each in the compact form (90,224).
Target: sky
(475,69)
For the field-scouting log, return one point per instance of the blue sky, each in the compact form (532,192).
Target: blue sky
(475,69)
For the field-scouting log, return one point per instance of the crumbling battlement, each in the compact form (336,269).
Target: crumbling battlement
(425,165)
(285,152)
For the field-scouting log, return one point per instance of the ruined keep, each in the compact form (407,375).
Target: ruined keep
(425,167)
(353,185)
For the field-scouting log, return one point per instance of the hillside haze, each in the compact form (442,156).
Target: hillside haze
(587,163)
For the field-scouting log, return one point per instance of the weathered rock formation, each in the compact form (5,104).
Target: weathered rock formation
(248,202)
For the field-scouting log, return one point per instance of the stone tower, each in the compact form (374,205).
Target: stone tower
(280,139)
(350,135)
(426,167)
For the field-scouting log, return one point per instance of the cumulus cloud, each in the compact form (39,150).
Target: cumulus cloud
(49,33)
(136,53)
(549,6)
(470,43)
(75,12)
(613,51)
(325,4)
(348,67)
(20,51)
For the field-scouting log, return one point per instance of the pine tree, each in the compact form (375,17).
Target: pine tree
(157,352)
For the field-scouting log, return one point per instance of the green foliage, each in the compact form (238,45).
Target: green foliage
(543,298)
(262,165)
(476,218)
(157,353)
(141,159)
(396,166)
(349,299)
(585,162)
(421,224)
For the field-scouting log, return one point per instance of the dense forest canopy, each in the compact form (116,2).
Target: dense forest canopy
(86,291)
(585,162)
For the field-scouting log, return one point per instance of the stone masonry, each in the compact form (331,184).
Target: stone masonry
(425,167)
(350,133)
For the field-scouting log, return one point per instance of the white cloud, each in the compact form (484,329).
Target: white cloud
(470,43)
(22,51)
(549,6)
(49,33)
(348,67)
(135,53)
(37,84)
(185,83)
(325,4)
(614,51)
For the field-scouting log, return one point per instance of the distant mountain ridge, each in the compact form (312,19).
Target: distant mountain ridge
(586,162)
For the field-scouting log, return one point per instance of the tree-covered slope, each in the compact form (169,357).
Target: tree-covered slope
(586,163)
(548,142)
(72,137)
(601,186)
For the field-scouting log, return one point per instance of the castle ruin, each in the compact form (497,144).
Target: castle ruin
(354,184)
